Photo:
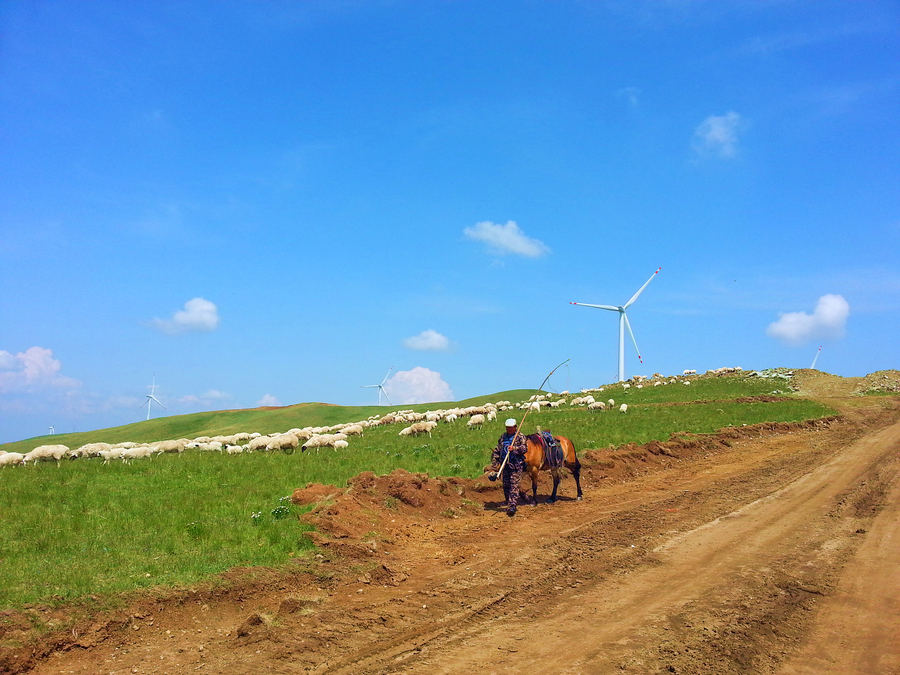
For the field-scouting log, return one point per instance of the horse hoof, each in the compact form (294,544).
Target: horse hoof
(579,498)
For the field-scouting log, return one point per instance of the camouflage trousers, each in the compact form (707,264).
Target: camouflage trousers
(512,476)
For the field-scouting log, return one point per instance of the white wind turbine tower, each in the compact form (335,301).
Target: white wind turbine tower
(623,324)
(380,387)
(151,397)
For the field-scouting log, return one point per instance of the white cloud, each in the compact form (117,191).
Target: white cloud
(268,401)
(507,238)
(198,315)
(630,94)
(215,395)
(717,135)
(427,340)
(828,320)
(419,385)
(32,370)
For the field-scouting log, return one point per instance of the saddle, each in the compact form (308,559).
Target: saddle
(553,453)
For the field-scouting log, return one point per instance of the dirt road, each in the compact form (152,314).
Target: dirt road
(767,550)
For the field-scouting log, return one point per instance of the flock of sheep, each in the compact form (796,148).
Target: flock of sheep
(337,436)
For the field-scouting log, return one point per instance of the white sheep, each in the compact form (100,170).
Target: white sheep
(687,382)
(353,430)
(283,442)
(11,459)
(611,403)
(626,386)
(137,452)
(111,454)
(45,453)
(340,445)
(597,405)
(451,418)
(623,408)
(476,421)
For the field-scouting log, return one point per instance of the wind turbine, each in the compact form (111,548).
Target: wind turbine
(380,387)
(52,430)
(623,324)
(151,397)
(815,359)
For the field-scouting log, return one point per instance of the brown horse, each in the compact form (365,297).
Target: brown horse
(536,461)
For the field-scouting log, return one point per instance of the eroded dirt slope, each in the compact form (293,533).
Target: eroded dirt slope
(759,550)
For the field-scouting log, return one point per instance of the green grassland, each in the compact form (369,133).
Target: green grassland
(85,529)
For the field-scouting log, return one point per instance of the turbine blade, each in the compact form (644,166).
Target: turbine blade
(628,326)
(386,376)
(157,400)
(584,304)
(387,397)
(640,290)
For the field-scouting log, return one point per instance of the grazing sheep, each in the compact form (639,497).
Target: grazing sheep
(687,382)
(340,445)
(234,449)
(11,459)
(689,372)
(137,452)
(418,428)
(449,419)
(623,408)
(45,453)
(112,453)
(259,443)
(476,421)
(626,386)
(169,446)
(597,405)
(611,403)
(353,430)
(283,442)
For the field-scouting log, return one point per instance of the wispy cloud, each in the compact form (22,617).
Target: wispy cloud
(630,94)
(717,135)
(827,321)
(198,316)
(268,401)
(32,370)
(427,341)
(504,239)
(419,385)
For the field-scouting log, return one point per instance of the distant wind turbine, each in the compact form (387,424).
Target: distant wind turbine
(815,359)
(380,387)
(623,324)
(51,430)
(151,397)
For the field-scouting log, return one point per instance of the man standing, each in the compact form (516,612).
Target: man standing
(513,444)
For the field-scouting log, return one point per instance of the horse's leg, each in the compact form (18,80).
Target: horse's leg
(575,468)
(555,474)
(534,472)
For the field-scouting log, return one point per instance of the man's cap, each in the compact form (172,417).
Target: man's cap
(511,422)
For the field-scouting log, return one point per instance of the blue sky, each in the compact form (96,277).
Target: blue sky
(276,202)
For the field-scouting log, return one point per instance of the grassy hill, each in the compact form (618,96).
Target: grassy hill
(84,528)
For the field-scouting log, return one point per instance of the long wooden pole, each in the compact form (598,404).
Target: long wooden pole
(525,416)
